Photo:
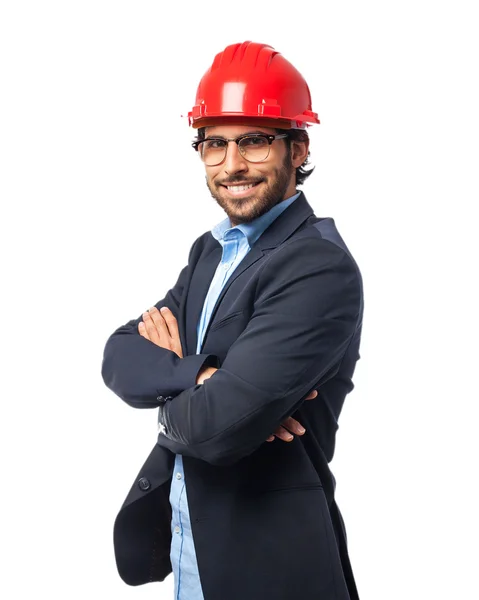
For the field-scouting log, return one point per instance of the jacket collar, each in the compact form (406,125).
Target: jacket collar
(286,224)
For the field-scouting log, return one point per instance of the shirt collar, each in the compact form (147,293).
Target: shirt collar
(252,231)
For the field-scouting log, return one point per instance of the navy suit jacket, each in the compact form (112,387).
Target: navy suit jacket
(264,519)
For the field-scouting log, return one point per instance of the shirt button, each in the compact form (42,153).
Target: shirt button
(178,476)
(177,529)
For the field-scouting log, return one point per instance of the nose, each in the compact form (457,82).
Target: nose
(234,161)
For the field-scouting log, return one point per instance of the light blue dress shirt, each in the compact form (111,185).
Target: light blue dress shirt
(236,242)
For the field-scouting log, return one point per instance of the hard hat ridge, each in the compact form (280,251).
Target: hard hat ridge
(250,54)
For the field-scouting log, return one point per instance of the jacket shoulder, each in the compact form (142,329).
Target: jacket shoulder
(319,240)
(325,230)
(311,252)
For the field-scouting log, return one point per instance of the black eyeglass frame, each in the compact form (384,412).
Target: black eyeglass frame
(268,136)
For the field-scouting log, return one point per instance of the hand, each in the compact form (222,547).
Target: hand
(290,425)
(204,374)
(161,328)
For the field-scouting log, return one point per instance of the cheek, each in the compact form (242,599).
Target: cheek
(211,174)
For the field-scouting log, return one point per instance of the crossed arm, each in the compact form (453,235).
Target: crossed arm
(307,310)
(161,328)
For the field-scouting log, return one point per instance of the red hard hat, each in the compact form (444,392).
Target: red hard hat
(254,81)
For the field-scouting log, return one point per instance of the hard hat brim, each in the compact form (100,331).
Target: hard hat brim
(242,120)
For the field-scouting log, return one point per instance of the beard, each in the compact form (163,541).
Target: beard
(249,208)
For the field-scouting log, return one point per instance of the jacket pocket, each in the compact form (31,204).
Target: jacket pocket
(226,320)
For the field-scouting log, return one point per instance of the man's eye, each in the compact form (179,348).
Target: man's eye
(254,141)
(214,144)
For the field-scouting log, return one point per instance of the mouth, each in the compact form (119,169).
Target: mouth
(240,189)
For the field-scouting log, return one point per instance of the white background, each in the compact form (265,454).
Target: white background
(101,198)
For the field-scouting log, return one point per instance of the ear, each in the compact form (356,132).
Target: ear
(299,152)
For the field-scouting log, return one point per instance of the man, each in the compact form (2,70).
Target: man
(266,315)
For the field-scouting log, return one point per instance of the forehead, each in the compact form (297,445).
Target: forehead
(233,131)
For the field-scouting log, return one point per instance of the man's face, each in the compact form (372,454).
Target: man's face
(272,180)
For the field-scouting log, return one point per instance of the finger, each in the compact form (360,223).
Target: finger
(284,435)
(171,322)
(161,327)
(270,438)
(312,395)
(293,426)
(172,325)
(149,327)
(142,330)
(152,329)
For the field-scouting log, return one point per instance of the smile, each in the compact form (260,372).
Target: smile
(240,189)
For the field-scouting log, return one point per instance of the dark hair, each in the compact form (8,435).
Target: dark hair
(299,135)
(294,135)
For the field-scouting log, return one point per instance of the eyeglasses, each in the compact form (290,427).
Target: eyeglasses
(254,148)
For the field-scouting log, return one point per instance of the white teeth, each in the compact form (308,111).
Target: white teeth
(239,188)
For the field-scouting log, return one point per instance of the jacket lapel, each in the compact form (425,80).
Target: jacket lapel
(280,230)
(253,255)
(198,288)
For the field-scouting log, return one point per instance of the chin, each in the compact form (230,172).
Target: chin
(250,213)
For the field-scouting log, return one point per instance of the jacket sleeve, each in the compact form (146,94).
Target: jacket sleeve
(142,373)
(305,315)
